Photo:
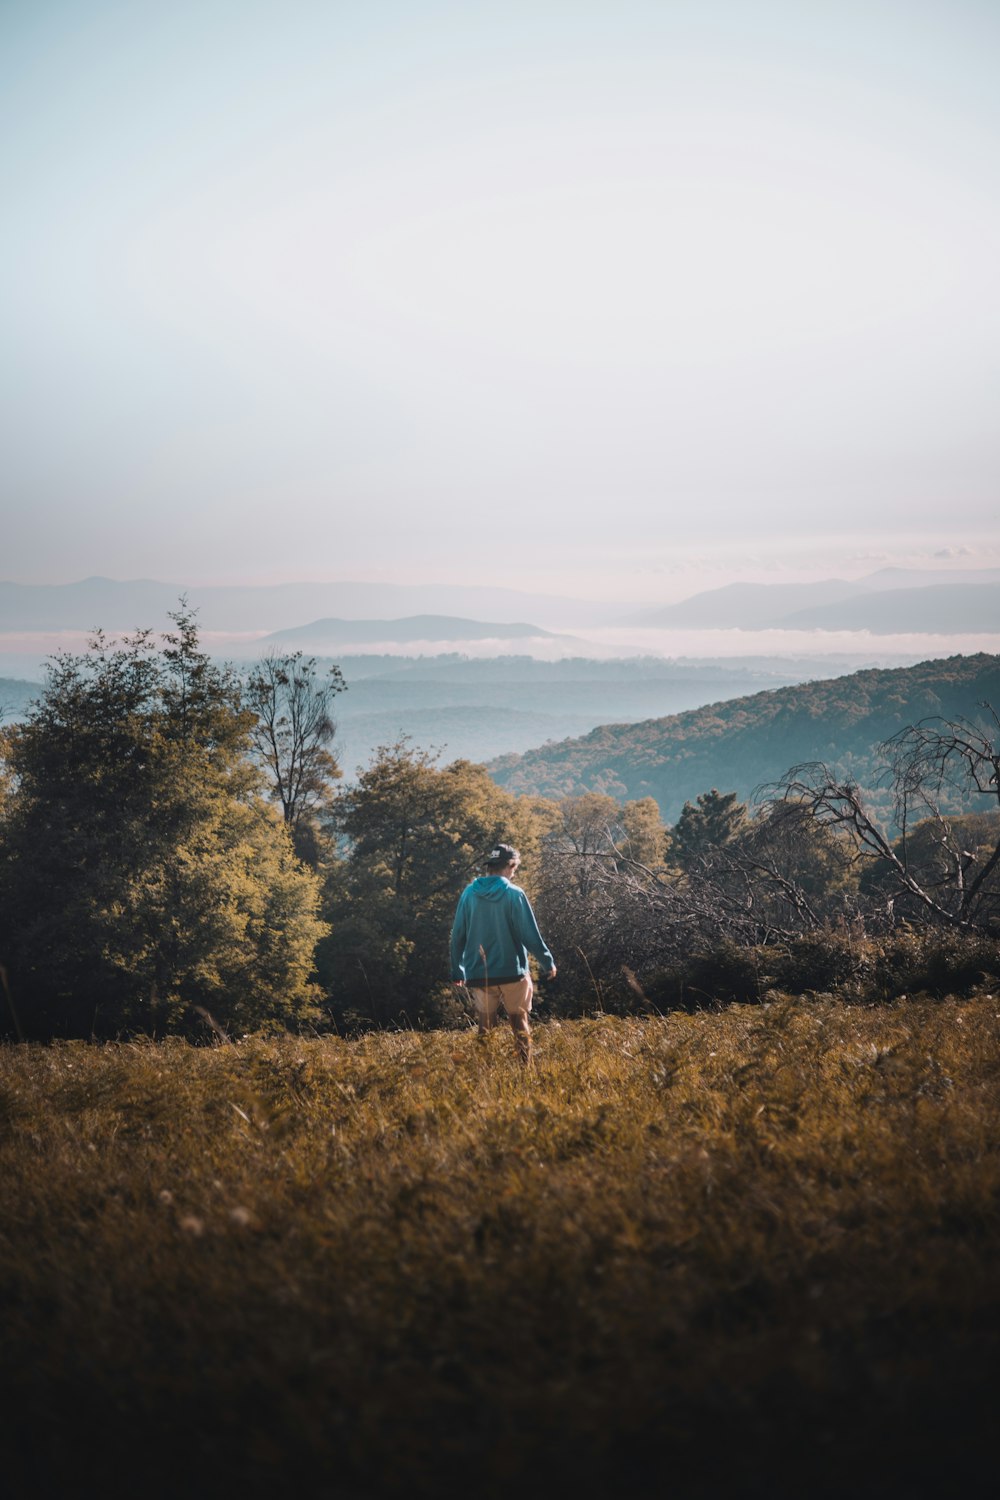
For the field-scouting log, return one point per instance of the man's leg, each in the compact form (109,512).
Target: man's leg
(517,1004)
(485,1002)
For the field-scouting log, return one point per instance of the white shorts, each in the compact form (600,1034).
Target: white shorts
(515,998)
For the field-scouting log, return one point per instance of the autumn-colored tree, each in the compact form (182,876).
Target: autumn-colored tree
(416,833)
(143,874)
(644,831)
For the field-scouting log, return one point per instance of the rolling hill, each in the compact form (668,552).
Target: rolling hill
(478,709)
(740,744)
(322,636)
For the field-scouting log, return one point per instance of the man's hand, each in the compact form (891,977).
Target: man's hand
(552,972)
(459,984)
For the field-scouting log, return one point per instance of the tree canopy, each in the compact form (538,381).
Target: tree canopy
(143,874)
(292,733)
(415,833)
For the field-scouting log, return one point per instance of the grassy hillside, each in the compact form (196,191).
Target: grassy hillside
(739,744)
(751,1252)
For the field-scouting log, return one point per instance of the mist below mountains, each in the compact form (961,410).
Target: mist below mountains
(889,601)
(482,672)
(481,709)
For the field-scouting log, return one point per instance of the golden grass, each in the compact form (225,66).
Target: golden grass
(752,1251)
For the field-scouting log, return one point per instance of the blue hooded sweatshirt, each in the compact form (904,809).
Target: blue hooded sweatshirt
(495,916)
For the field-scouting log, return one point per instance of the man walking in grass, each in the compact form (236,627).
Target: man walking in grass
(493,933)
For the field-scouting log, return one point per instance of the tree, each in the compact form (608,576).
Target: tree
(293,703)
(6,775)
(587,828)
(927,765)
(781,875)
(935,850)
(416,833)
(591,896)
(706,826)
(142,872)
(644,831)
(613,907)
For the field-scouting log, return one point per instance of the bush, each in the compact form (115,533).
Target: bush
(726,973)
(933,962)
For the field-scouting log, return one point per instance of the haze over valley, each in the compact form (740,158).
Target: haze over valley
(477,688)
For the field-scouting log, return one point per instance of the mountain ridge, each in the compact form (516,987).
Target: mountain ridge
(115,604)
(742,743)
(331,634)
(884,603)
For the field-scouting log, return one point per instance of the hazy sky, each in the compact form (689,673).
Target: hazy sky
(511,291)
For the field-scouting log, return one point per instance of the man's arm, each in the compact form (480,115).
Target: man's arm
(527,929)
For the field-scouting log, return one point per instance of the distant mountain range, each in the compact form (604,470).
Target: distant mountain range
(888,601)
(891,601)
(745,742)
(115,605)
(330,636)
(947,609)
(636,727)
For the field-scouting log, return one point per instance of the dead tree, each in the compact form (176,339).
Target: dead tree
(931,767)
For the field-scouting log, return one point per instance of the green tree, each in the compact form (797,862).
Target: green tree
(705,826)
(293,702)
(416,833)
(142,872)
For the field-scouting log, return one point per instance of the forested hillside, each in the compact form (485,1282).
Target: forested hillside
(475,710)
(739,744)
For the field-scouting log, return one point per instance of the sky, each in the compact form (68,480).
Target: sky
(622,298)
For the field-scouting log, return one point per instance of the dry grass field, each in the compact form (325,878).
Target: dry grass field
(749,1252)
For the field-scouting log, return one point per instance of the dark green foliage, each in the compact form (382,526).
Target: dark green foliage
(837,961)
(142,874)
(729,973)
(706,825)
(931,962)
(833,959)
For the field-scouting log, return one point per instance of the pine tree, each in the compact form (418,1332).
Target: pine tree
(705,826)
